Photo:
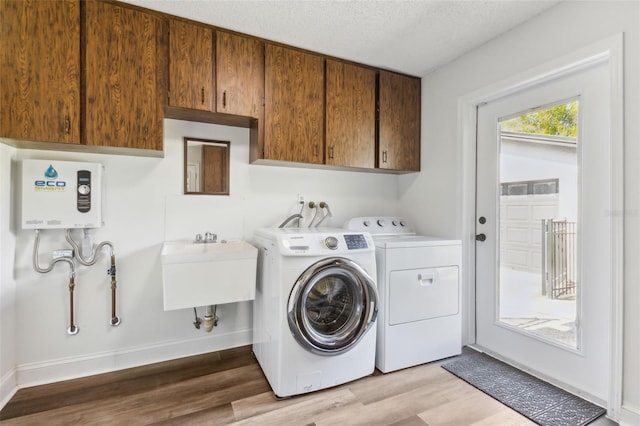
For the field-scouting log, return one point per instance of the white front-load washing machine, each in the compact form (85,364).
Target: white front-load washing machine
(419,287)
(315,308)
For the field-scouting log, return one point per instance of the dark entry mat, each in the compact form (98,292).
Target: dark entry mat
(541,402)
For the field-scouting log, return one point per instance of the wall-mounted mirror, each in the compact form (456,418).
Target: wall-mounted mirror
(206,166)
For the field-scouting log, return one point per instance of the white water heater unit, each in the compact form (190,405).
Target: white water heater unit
(61,194)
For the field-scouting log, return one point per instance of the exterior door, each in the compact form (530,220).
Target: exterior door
(546,180)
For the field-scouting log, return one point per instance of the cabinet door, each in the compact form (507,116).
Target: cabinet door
(240,75)
(39,70)
(125,61)
(399,122)
(191,66)
(350,115)
(240,82)
(294,105)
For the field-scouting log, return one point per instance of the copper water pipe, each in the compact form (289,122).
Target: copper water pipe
(73,329)
(115,321)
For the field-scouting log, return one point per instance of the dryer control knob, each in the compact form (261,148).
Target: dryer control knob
(331,242)
(394,222)
(380,222)
(366,223)
(402,223)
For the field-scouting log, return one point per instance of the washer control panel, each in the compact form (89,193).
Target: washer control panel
(355,241)
(295,242)
(385,225)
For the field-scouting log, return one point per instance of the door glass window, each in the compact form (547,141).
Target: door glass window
(331,306)
(538,221)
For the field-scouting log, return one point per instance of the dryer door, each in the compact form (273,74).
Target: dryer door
(332,305)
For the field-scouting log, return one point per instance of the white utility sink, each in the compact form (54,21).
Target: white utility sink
(199,274)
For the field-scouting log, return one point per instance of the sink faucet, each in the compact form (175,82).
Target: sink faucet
(209,237)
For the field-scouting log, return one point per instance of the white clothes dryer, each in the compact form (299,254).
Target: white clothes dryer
(316,303)
(419,288)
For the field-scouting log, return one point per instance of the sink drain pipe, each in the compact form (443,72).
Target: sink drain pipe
(210,318)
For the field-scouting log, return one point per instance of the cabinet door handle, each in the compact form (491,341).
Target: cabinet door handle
(384,156)
(315,150)
(331,152)
(224,99)
(67,125)
(202,95)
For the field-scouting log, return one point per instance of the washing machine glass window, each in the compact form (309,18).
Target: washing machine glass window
(331,306)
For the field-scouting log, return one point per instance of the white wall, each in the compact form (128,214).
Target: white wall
(7,283)
(143,206)
(433,199)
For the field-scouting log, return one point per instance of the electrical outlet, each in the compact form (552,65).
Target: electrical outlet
(300,199)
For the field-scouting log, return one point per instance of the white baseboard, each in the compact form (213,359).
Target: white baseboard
(630,415)
(8,387)
(39,373)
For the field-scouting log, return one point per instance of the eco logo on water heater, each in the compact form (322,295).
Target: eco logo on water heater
(51,173)
(50,184)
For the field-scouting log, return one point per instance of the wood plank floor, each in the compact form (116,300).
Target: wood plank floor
(228,387)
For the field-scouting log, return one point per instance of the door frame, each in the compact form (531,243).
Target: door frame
(608,50)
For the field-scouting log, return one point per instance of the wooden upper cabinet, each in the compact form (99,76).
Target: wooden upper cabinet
(350,115)
(191,67)
(240,82)
(40,70)
(125,63)
(399,122)
(294,106)
(240,75)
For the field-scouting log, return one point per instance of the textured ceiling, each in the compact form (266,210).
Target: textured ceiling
(410,36)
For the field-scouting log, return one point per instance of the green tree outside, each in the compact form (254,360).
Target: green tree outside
(559,120)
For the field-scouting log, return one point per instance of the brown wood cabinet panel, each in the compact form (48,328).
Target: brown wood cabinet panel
(240,75)
(125,69)
(191,67)
(240,80)
(294,105)
(215,170)
(350,115)
(40,70)
(399,122)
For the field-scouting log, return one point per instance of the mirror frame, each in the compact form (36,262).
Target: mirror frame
(224,161)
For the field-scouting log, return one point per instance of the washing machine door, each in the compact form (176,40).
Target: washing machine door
(332,305)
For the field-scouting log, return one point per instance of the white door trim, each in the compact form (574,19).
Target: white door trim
(611,50)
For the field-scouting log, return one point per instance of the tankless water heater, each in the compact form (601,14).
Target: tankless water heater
(61,194)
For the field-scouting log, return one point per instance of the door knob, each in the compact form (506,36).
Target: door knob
(481,237)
